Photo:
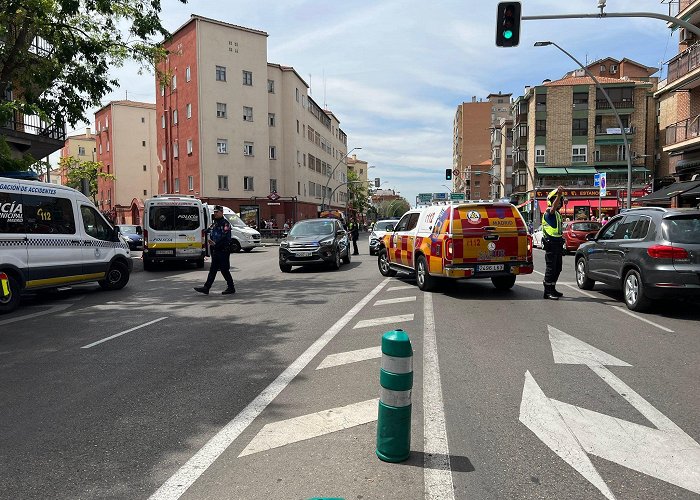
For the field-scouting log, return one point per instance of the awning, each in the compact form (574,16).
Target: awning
(581,170)
(683,164)
(588,202)
(669,192)
(550,171)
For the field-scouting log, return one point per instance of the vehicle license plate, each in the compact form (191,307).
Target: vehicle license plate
(302,254)
(491,267)
(164,252)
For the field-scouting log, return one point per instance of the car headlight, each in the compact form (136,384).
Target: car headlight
(373,235)
(326,242)
(284,244)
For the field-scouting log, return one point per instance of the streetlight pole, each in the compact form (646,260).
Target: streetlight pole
(444,185)
(330,176)
(617,116)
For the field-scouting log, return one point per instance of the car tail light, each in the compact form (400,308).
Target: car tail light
(667,252)
(145,240)
(529,244)
(449,249)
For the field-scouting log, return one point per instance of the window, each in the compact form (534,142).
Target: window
(176,150)
(271,119)
(477,184)
(247,183)
(143,119)
(94,224)
(223,183)
(145,192)
(173,218)
(99,148)
(164,187)
(162,153)
(248,149)
(297,126)
(273,185)
(641,229)
(298,157)
(580,100)
(540,127)
(221,110)
(81,151)
(222,146)
(579,153)
(162,93)
(613,69)
(541,102)
(247,78)
(143,143)
(36,214)
(522,130)
(174,84)
(247,114)
(162,121)
(602,68)
(177,185)
(273,153)
(221,73)
(271,86)
(402,225)
(108,146)
(540,154)
(189,146)
(188,110)
(621,152)
(190,182)
(579,126)
(175,117)
(187,74)
(144,168)
(297,95)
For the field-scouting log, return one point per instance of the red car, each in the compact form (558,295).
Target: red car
(575,233)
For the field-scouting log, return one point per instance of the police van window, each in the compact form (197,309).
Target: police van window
(47,215)
(403,223)
(11,213)
(94,224)
(173,218)
(413,222)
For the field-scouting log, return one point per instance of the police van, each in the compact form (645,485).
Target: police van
(243,237)
(52,236)
(173,230)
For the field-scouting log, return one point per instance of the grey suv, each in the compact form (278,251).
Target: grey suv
(315,241)
(650,253)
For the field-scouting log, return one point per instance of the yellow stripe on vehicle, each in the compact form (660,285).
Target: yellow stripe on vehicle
(170,246)
(64,279)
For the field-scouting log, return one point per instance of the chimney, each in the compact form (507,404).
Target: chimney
(473,98)
(88,132)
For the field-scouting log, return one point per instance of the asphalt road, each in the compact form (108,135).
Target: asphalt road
(255,395)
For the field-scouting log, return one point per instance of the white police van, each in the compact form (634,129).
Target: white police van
(173,230)
(243,237)
(52,236)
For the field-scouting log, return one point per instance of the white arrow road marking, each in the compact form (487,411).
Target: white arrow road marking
(394,301)
(383,321)
(313,425)
(569,350)
(345,358)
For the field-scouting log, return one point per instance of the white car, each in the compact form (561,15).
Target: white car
(537,238)
(380,229)
(243,237)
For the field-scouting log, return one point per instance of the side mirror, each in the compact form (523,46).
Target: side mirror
(590,237)
(340,232)
(285,234)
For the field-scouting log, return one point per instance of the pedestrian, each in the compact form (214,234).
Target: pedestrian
(219,234)
(354,235)
(553,243)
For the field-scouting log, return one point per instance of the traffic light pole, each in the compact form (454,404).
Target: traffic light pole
(653,15)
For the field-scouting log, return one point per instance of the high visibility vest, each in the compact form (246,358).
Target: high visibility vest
(552,231)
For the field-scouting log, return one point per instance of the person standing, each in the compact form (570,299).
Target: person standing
(219,241)
(354,235)
(553,243)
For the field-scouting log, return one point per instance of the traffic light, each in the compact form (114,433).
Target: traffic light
(448,174)
(377,182)
(508,24)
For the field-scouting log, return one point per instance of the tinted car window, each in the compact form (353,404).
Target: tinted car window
(11,213)
(682,229)
(608,232)
(313,228)
(94,224)
(173,218)
(585,226)
(641,228)
(403,223)
(626,227)
(412,222)
(48,215)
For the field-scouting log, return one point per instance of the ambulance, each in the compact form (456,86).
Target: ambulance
(459,240)
(173,230)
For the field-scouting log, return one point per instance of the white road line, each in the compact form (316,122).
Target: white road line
(437,473)
(122,333)
(365,323)
(26,317)
(582,292)
(345,358)
(541,274)
(642,319)
(179,482)
(394,301)
(402,287)
(297,429)
(567,283)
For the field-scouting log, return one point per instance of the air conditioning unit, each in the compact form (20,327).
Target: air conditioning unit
(687,36)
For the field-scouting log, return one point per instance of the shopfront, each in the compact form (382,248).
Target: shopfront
(584,203)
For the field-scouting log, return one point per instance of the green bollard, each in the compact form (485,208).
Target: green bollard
(396,380)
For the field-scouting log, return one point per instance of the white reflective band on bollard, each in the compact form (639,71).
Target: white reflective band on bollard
(395,398)
(393,364)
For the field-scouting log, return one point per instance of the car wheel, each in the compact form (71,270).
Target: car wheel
(248,250)
(285,268)
(582,280)
(335,265)
(346,259)
(383,262)
(423,279)
(11,302)
(117,277)
(235,246)
(503,282)
(633,292)
(200,263)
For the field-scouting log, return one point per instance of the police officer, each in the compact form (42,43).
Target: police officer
(354,235)
(553,243)
(219,241)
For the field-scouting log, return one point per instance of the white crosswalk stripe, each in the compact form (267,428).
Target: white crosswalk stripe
(344,358)
(402,287)
(394,301)
(365,323)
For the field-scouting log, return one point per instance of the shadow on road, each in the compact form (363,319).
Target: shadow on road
(458,463)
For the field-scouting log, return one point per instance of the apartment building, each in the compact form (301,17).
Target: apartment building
(236,130)
(609,67)
(360,167)
(125,143)
(80,147)
(502,158)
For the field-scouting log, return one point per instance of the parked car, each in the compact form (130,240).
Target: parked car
(242,237)
(649,253)
(381,227)
(576,233)
(537,238)
(132,234)
(314,242)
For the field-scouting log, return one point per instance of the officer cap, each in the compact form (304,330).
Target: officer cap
(218,208)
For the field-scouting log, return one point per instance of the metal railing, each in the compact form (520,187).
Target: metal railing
(600,130)
(683,63)
(683,130)
(32,124)
(604,104)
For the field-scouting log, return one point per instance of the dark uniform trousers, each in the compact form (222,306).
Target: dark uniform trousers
(553,249)
(219,262)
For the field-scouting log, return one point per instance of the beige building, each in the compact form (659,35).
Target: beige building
(360,167)
(236,130)
(125,143)
(79,146)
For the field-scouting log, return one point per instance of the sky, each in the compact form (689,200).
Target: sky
(394,71)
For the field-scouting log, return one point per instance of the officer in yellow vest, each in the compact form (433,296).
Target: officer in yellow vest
(553,242)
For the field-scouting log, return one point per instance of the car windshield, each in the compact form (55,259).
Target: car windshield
(235,220)
(313,228)
(682,229)
(385,225)
(127,229)
(585,226)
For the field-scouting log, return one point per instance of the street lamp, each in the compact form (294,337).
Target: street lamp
(330,176)
(444,185)
(617,116)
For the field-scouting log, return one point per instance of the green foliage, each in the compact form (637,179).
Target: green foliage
(393,208)
(10,163)
(76,170)
(357,192)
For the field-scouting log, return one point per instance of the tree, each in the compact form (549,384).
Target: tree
(55,55)
(393,208)
(357,192)
(76,170)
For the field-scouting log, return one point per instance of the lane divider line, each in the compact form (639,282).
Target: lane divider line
(394,301)
(366,323)
(186,475)
(630,313)
(587,294)
(437,472)
(348,357)
(123,333)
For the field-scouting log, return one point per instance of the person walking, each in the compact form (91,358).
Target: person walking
(219,241)
(354,235)
(553,243)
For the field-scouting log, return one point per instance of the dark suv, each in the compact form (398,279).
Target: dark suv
(315,241)
(650,253)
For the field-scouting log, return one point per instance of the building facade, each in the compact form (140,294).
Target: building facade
(79,146)
(125,143)
(235,130)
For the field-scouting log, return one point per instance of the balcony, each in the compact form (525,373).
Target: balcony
(683,70)
(29,134)
(683,133)
(604,104)
(599,130)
